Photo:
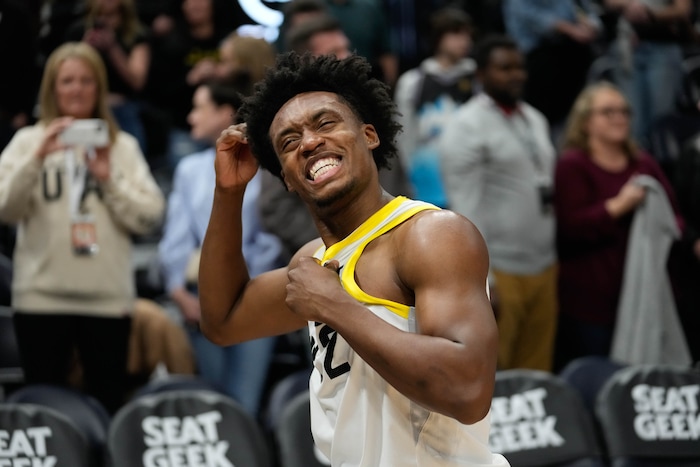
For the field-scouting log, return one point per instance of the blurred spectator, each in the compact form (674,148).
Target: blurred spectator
(364,22)
(320,35)
(181,60)
(557,38)
(427,97)
(498,164)
(113,28)
(76,207)
(158,15)
(687,186)
(649,56)
(595,200)
(296,12)
(251,55)
(241,369)
(18,48)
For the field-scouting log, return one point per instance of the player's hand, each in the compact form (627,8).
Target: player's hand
(235,165)
(314,289)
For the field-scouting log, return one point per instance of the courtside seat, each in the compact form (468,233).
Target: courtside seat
(38,435)
(537,420)
(650,416)
(188,427)
(85,412)
(295,443)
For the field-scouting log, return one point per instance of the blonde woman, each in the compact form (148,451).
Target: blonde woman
(594,203)
(251,54)
(113,28)
(76,207)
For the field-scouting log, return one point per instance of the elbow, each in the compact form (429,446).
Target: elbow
(471,410)
(214,334)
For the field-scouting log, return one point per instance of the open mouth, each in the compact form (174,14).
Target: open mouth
(321,167)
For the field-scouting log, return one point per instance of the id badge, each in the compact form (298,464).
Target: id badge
(84,236)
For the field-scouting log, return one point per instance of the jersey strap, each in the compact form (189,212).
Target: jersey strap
(349,250)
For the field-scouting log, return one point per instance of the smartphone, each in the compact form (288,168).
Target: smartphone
(92,132)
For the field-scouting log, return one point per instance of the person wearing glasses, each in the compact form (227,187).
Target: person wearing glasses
(595,196)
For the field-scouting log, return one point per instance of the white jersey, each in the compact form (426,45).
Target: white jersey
(357,418)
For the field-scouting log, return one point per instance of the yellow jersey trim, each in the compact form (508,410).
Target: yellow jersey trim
(348,272)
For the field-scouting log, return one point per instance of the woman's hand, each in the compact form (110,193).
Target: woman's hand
(100,38)
(51,142)
(627,199)
(235,165)
(98,163)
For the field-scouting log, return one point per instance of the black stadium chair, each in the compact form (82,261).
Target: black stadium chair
(39,435)
(281,394)
(175,382)
(11,373)
(537,420)
(587,375)
(84,411)
(295,443)
(196,427)
(650,416)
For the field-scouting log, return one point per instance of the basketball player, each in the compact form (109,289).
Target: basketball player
(403,337)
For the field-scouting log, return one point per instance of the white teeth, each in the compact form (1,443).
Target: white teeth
(322,166)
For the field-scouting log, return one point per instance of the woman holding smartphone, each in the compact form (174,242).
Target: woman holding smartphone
(76,207)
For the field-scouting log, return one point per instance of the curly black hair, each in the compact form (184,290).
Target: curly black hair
(294,74)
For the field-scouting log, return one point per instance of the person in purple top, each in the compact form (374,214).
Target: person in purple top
(594,201)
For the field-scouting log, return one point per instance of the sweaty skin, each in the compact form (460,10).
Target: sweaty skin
(435,261)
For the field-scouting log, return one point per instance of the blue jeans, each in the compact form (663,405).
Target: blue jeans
(653,84)
(239,370)
(128,116)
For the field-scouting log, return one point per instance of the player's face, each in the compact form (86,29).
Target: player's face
(324,149)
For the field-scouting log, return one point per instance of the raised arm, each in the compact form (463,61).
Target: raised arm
(449,364)
(234,307)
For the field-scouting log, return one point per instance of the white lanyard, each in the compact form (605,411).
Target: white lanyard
(76,174)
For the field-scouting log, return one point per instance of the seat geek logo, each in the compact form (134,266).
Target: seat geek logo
(666,413)
(25,448)
(190,441)
(520,422)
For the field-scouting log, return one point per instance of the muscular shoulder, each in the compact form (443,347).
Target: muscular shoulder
(436,243)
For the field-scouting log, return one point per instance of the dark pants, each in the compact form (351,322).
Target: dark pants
(47,343)
(576,338)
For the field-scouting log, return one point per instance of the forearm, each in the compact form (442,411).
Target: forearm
(435,372)
(223,273)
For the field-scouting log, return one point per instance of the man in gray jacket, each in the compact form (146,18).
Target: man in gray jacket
(497,164)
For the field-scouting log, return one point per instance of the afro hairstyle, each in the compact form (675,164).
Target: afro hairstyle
(368,98)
